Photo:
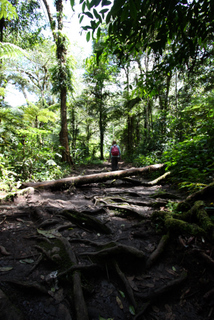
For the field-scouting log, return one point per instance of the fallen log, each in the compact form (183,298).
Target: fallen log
(92,178)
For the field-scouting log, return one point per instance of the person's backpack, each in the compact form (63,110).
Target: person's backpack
(115,151)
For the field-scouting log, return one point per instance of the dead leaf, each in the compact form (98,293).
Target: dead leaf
(149,285)
(171,272)
(50,234)
(119,302)
(184,294)
(150,247)
(168,308)
(4,251)
(4,269)
(155,309)
(132,283)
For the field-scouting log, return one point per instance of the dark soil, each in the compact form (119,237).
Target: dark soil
(35,281)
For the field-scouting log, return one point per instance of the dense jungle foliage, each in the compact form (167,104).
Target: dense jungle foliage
(147,82)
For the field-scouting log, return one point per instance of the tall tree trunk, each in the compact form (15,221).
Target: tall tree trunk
(101,132)
(64,128)
(61,56)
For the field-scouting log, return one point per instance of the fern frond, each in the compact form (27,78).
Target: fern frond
(9,50)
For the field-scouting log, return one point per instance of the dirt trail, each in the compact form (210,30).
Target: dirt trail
(36,278)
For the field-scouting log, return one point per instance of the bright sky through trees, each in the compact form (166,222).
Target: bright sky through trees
(80,49)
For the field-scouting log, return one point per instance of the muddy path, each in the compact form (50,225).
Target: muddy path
(103,264)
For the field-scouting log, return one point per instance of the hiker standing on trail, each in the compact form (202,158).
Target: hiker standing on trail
(114,155)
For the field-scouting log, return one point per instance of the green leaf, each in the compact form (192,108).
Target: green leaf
(125,14)
(122,294)
(106,3)
(103,11)
(132,310)
(83,6)
(29,261)
(98,33)
(88,36)
(95,3)
(108,17)
(7,10)
(89,14)
(97,15)
(72,4)
(81,18)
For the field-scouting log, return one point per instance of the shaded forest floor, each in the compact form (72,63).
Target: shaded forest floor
(39,242)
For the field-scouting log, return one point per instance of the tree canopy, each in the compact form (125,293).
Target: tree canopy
(148,83)
(187,27)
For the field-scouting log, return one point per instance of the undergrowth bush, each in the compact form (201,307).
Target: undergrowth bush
(191,162)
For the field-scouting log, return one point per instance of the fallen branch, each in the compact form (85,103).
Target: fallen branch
(93,178)
(149,183)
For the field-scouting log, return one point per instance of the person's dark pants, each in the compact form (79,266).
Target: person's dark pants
(114,163)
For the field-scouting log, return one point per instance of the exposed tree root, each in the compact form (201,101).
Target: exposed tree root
(7,310)
(113,249)
(126,284)
(159,292)
(79,301)
(158,251)
(85,221)
(90,267)
(35,265)
(109,201)
(171,285)
(100,257)
(195,221)
(209,261)
(204,194)
(30,285)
